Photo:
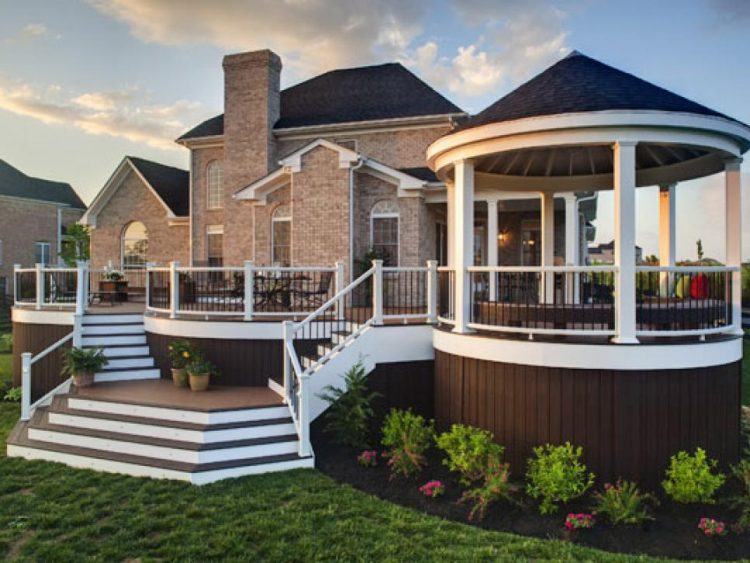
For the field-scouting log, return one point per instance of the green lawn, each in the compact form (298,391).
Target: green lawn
(51,512)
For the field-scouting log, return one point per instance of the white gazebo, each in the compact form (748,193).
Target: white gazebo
(583,126)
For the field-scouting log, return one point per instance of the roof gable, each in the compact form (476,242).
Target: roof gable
(170,183)
(369,93)
(578,83)
(15,183)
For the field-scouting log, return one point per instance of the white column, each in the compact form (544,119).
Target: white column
(39,285)
(463,229)
(624,187)
(492,245)
(248,295)
(667,230)
(377,292)
(432,291)
(733,198)
(25,385)
(548,245)
(572,247)
(81,293)
(450,194)
(174,289)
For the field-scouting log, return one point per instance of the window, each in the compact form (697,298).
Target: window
(134,245)
(215,196)
(441,243)
(41,253)
(384,231)
(530,242)
(215,245)
(281,236)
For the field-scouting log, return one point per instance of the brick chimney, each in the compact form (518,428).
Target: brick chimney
(251,108)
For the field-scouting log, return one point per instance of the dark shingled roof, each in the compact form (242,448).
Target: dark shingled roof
(579,83)
(172,184)
(367,93)
(422,173)
(15,183)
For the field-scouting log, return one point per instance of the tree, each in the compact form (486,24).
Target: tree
(76,245)
(699,249)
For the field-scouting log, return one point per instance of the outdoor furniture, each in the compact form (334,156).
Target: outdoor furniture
(307,297)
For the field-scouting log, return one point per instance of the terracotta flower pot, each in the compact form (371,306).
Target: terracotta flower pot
(179,377)
(199,381)
(83,379)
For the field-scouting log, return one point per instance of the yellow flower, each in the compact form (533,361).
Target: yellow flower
(186,354)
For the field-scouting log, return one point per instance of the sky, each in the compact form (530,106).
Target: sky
(84,83)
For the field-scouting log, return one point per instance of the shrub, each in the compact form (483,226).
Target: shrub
(623,503)
(711,527)
(741,472)
(690,478)
(368,458)
(579,521)
(432,489)
(13,395)
(556,474)
(495,487)
(199,365)
(407,436)
(6,343)
(181,353)
(350,410)
(469,451)
(81,360)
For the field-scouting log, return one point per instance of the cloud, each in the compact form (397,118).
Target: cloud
(514,37)
(125,114)
(34,30)
(31,32)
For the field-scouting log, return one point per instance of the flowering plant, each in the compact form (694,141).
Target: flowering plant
(181,353)
(368,458)
(711,527)
(579,521)
(114,275)
(432,489)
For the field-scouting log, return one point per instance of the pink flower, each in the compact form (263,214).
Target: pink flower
(368,458)
(432,489)
(711,527)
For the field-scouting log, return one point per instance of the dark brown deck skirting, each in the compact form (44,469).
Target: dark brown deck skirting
(34,338)
(628,422)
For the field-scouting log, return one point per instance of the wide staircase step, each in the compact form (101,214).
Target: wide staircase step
(198,446)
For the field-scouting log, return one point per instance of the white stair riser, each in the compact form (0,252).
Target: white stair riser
(162,452)
(104,341)
(167,433)
(108,330)
(135,350)
(323,349)
(200,478)
(130,362)
(196,417)
(130,375)
(112,319)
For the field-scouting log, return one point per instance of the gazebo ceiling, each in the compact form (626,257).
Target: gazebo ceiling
(556,132)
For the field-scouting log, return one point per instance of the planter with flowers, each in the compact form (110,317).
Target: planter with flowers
(199,372)
(181,353)
(82,364)
(114,282)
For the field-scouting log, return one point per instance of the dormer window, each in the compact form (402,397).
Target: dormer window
(215,191)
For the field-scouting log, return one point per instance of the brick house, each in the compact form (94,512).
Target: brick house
(320,172)
(34,215)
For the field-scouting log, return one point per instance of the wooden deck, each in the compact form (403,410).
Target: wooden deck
(162,393)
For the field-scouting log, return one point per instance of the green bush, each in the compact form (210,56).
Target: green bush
(495,487)
(13,395)
(470,451)
(741,501)
(6,343)
(690,478)
(81,360)
(556,474)
(623,503)
(350,411)
(407,436)
(181,353)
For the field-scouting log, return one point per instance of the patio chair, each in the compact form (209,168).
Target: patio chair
(314,297)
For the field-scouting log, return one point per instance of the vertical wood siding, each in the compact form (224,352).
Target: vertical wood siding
(45,374)
(629,423)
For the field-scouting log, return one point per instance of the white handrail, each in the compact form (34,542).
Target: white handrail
(540,269)
(687,269)
(27,360)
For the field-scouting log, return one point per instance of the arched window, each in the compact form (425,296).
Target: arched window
(384,231)
(281,236)
(134,245)
(215,195)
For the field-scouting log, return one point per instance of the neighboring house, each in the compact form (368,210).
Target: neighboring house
(34,214)
(320,172)
(604,253)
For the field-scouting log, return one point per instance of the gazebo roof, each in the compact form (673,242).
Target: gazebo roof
(578,83)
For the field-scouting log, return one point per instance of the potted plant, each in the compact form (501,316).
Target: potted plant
(199,371)
(114,282)
(181,352)
(82,364)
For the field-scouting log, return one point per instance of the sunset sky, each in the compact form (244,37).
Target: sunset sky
(84,83)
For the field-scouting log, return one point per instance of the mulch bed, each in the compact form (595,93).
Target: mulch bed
(673,533)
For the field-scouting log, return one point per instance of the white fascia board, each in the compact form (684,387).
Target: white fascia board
(347,157)
(258,190)
(105,194)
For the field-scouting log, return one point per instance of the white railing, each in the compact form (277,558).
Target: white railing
(27,361)
(45,286)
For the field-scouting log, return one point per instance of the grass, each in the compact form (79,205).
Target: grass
(52,512)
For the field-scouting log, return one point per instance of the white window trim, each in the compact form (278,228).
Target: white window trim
(274,220)
(122,244)
(214,162)
(391,215)
(49,251)
(214,230)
